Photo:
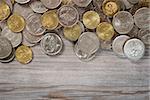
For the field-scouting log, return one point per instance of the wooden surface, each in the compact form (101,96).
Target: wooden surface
(65,77)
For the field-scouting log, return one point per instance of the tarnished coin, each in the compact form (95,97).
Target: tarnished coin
(5,47)
(144,35)
(16,23)
(38,7)
(4,10)
(68,16)
(91,19)
(14,38)
(49,20)
(118,44)
(24,54)
(133,1)
(123,22)
(82,3)
(51,44)
(142,17)
(105,31)
(134,49)
(22,1)
(51,4)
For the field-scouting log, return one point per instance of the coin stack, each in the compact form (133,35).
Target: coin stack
(121,26)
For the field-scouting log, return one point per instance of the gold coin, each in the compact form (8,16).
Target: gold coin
(16,23)
(110,7)
(49,20)
(91,19)
(4,11)
(24,54)
(105,31)
(72,33)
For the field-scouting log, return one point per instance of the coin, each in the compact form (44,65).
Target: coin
(49,20)
(144,35)
(25,42)
(51,4)
(5,47)
(22,1)
(91,19)
(68,16)
(82,3)
(24,54)
(4,10)
(51,44)
(38,7)
(118,44)
(16,23)
(105,31)
(14,38)
(141,17)
(133,1)
(123,22)
(134,31)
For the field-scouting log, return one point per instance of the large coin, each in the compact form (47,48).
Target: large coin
(24,54)
(68,15)
(144,35)
(22,1)
(51,44)
(134,49)
(82,3)
(51,4)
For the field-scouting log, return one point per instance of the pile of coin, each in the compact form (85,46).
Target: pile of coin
(91,25)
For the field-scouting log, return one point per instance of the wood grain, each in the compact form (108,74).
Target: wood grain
(65,77)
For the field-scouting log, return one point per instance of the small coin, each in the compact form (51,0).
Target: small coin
(134,49)
(91,19)
(133,1)
(22,1)
(51,4)
(16,23)
(49,20)
(144,35)
(14,38)
(24,54)
(51,44)
(141,17)
(123,22)
(105,31)
(82,3)
(68,16)
(118,44)
(5,47)
(38,7)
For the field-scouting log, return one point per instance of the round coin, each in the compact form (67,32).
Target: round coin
(24,54)
(22,1)
(144,35)
(82,3)
(51,4)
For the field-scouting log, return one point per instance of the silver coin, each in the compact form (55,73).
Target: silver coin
(22,1)
(14,38)
(142,17)
(133,1)
(5,47)
(51,44)
(68,15)
(123,22)
(82,26)
(51,4)
(134,49)
(34,25)
(144,35)
(82,3)
(118,44)
(38,7)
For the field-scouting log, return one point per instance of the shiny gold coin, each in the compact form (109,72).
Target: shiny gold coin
(73,33)
(4,10)
(16,23)
(91,19)
(49,20)
(24,54)
(105,31)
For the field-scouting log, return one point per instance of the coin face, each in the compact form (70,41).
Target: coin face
(16,23)
(123,22)
(49,20)
(91,19)
(68,16)
(51,4)
(24,54)
(51,44)
(144,35)
(118,44)
(5,47)
(134,49)
(22,1)
(82,3)
(141,17)
(105,31)
(14,38)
